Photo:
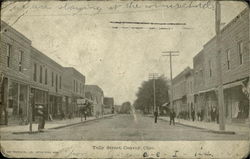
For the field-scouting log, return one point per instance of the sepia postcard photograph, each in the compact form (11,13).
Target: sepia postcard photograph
(125,79)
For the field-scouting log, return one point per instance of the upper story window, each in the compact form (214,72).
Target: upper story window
(35,72)
(60,82)
(74,85)
(8,54)
(41,74)
(240,48)
(52,79)
(46,76)
(228,59)
(56,82)
(20,60)
(210,68)
(80,88)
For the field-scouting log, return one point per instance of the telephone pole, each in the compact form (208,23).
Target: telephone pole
(220,82)
(154,76)
(170,54)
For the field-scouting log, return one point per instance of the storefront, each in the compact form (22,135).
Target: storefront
(38,97)
(17,102)
(55,106)
(236,104)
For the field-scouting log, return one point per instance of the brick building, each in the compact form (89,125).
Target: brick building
(235,65)
(46,83)
(108,104)
(96,95)
(15,74)
(73,87)
(30,78)
(199,82)
(183,93)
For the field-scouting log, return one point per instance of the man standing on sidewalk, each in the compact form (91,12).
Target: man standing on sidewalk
(172,116)
(193,114)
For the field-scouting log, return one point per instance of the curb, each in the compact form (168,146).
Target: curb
(58,127)
(208,130)
(81,122)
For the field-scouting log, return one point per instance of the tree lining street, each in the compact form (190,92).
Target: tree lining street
(125,127)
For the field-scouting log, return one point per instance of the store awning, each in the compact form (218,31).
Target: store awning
(165,104)
(230,85)
(207,90)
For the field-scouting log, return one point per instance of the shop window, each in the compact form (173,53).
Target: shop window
(35,72)
(240,47)
(41,74)
(13,98)
(20,60)
(8,54)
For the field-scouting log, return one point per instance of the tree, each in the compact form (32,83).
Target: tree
(145,94)
(125,108)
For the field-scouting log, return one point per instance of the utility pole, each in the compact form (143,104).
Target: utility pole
(170,54)
(220,82)
(154,76)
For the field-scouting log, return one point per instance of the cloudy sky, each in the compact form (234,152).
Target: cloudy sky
(118,57)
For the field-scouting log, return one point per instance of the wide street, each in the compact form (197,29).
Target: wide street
(125,127)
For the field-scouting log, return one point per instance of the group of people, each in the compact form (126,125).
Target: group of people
(172,116)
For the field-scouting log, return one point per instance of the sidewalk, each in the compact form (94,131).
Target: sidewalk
(211,126)
(55,124)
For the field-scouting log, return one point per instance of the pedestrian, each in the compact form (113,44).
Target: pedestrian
(156,115)
(41,121)
(193,114)
(172,116)
(85,115)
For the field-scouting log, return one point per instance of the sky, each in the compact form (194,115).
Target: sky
(116,56)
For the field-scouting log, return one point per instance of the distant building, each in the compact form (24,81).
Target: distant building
(108,104)
(96,95)
(73,87)
(182,93)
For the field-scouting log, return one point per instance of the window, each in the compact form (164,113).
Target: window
(46,76)
(20,59)
(60,82)
(34,72)
(8,54)
(80,88)
(56,82)
(41,74)
(74,85)
(52,79)
(228,59)
(240,46)
(210,68)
